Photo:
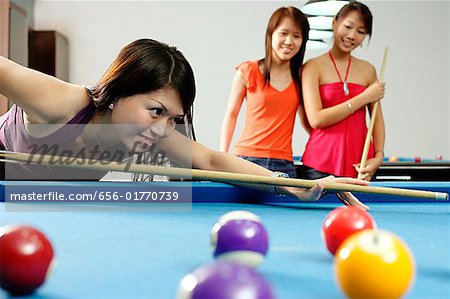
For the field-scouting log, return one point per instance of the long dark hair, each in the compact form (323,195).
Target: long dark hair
(362,10)
(143,66)
(297,61)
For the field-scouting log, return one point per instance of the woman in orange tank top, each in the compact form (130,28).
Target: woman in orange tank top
(338,88)
(271,87)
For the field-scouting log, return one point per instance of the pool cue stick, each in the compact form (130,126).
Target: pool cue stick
(373,117)
(217,176)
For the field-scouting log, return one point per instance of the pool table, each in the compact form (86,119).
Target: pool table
(140,250)
(407,169)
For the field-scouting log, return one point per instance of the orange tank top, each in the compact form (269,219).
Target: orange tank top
(269,117)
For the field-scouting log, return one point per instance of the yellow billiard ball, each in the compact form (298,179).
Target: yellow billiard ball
(374,264)
(393,159)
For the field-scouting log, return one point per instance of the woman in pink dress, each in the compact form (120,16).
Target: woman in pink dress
(338,89)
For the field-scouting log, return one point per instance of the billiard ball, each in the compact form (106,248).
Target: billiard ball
(417,159)
(240,236)
(224,280)
(393,159)
(342,222)
(438,157)
(374,264)
(25,259)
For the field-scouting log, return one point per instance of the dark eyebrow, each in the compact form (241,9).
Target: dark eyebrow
(166,110)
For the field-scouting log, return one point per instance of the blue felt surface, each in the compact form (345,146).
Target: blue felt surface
(117,254)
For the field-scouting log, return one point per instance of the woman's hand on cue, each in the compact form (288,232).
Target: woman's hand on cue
(369,170)
(347,198)
(315,193)
(306,195)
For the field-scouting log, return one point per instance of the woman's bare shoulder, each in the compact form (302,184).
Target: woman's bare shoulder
(363,64)
(315,65)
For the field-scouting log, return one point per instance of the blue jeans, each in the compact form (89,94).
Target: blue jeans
(274,165)
(308,173)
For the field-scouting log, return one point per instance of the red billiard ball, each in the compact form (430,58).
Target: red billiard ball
(374,264)
(417,159)
(341,223)
(26,257)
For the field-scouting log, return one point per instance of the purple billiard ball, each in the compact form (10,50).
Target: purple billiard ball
(224,280)
(240,236)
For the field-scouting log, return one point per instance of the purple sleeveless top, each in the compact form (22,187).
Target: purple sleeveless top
(15,137)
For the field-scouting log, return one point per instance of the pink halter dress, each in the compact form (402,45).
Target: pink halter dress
(337,148)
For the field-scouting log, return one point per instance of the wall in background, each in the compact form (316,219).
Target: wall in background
(18,34)
(4,44)
(28,6)
(217,35)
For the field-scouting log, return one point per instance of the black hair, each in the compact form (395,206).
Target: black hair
(301,21)
(363,11)
(143,66)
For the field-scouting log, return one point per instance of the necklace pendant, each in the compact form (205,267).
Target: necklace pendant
(345,87)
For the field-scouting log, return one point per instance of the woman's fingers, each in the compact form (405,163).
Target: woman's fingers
(348,198)
(308,195)
(352,181)
(316,191)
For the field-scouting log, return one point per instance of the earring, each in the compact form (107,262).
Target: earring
(111,106)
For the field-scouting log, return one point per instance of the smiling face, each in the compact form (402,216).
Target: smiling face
(286,40)
(349,31)
(144,119)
